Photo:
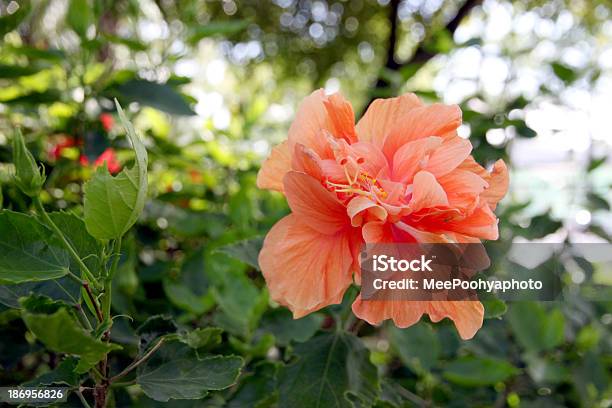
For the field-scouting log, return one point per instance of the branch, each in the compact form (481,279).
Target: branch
(420,55)
(136,363)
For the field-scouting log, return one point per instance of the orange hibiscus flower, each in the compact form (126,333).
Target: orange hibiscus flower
(401,174)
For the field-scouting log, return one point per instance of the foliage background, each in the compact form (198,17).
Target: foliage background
(213,85)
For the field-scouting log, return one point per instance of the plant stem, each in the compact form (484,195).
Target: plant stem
(93,301)
(108,282)
(138,362)
(41,211)
(82,398)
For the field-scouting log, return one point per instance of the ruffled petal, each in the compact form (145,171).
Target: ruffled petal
(412,157)
(448,156)
(427,192)
(342,117)
(313,204)
(432,120)
(466,315)
(382,115)
(304,269)
(498,184)
(404,313)
(360,208)
(274,168)
(318,117)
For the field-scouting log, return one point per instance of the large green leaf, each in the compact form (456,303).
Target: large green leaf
(113,204)
(176,372)
(285,328)
(158,96)
(477,371)
(29,251)
(328,367)
(534,328)
(86,246)
(246,250)
(418,346)
(61,333)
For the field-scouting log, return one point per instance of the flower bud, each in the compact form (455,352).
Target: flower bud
(28,176)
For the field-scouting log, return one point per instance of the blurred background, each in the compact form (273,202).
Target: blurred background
(213,85)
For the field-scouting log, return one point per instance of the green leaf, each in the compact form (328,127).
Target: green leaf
(246,251)
(80,16)
(479,371)
(285,328)
(418,346)
(200,338)
(176,372)
(113,204)
(63,374)
(257,390)
(86,246)
(189,290)
(597,202)
(64,289)
(153,328)
(218,28)
(327,368)
(29,251)
(563,72)
(534,328)
(595,163)
(494,308)
(16,71)
(61,333)
(158,96)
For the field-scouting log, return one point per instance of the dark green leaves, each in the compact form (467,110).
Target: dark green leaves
(534,327)
(176,372)
(158,96)
(61,333)
(418,346)
(478,371)
(113,204)
(29,251)
(330,369)
(11,21)
(246,251)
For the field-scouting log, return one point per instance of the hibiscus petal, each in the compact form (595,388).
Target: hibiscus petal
(411,158)
(432,120)
(404,313)
(274,168)
(310,123)
(305,269)
(448,156)
(482,223)
(374,162)
(317,117)
(342,117)
(467,315)
(498,184)
(382,115)
(427,192)
(316,206)
(361,206)
(305,160)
